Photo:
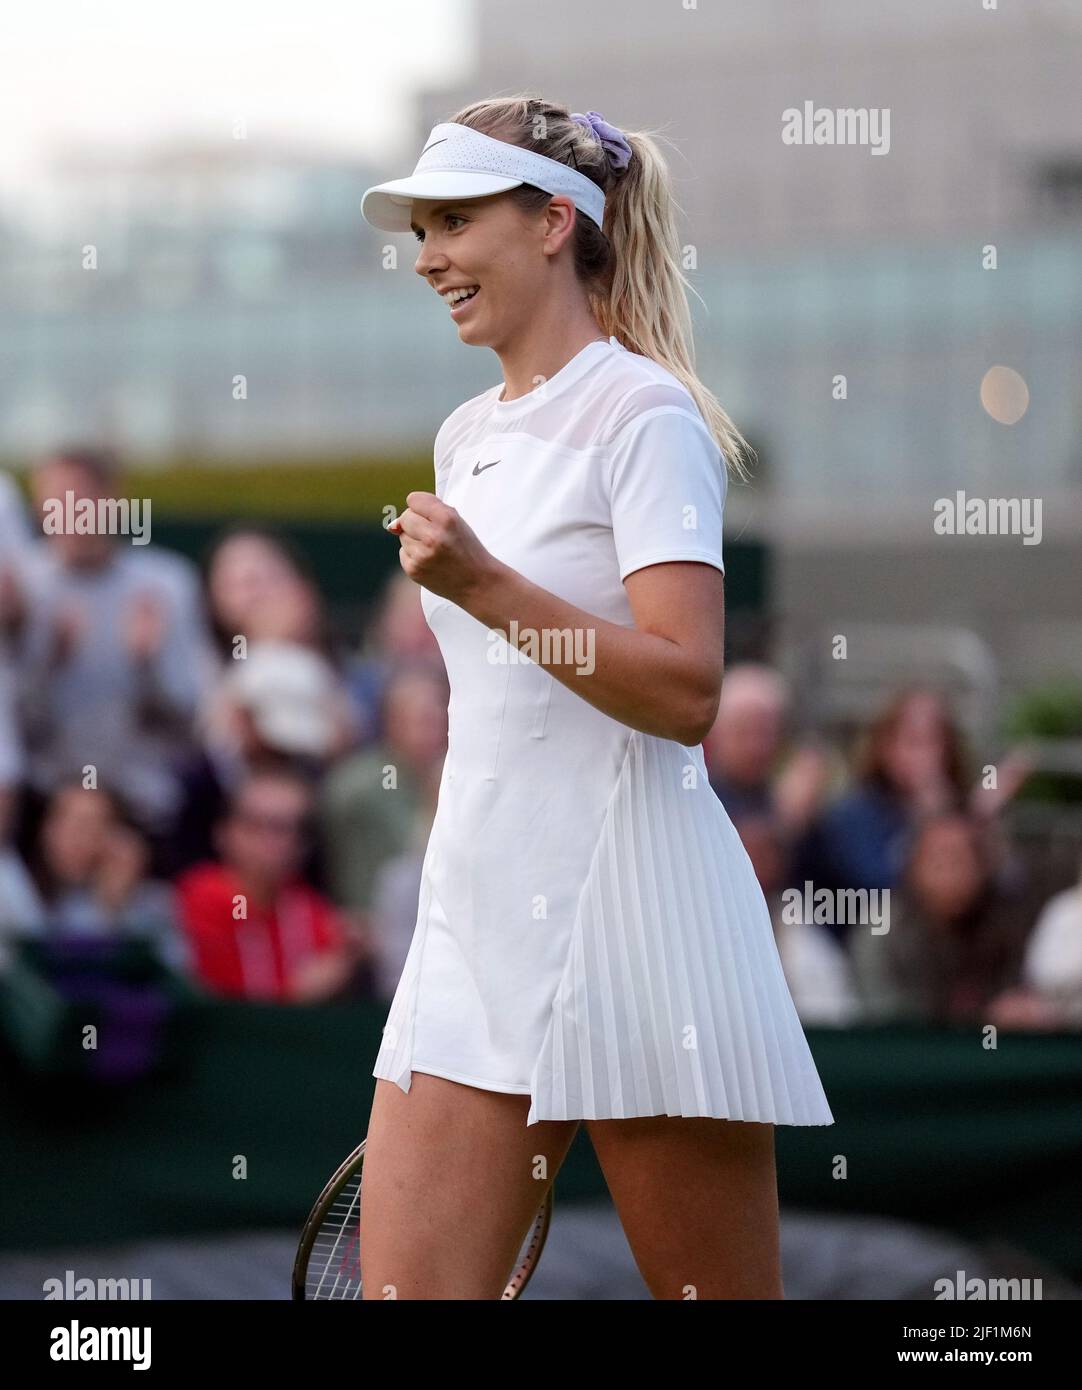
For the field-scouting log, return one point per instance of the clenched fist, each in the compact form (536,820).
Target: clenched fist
(439,550)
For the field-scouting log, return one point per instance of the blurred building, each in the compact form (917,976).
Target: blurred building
(816,261)
(985,107)
(813,262)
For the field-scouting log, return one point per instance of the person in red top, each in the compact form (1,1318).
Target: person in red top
(256,929)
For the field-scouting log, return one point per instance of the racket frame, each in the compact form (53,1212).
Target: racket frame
(535,1241)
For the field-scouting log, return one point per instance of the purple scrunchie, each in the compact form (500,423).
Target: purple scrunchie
(616,147)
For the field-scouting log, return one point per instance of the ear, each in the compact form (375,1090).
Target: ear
(560,215)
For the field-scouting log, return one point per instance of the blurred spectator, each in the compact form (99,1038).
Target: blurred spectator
(911,764)
(259,587)
(277,697)
(396,894)
(954,943)
(816,968)
(256,929)
(284,698)
(88,878)
(744,754)
(371,802)
(282,703)
(398,635)
(1052,968)
(110,652)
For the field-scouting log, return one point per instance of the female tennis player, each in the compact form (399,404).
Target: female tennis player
(591,942)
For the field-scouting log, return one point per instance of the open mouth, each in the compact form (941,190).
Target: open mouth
(457,309)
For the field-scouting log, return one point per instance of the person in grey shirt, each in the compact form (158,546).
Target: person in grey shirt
(110,650)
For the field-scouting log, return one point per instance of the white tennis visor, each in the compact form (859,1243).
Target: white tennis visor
(458,163)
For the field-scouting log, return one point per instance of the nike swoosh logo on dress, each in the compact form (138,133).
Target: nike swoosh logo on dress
(477,468)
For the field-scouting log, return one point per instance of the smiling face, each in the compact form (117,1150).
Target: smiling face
(492,244)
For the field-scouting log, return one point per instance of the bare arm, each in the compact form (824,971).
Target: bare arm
(662,676)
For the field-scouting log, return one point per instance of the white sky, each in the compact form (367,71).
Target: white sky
(119,74)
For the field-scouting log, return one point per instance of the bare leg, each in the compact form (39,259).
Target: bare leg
(451,1183)
(698,1201)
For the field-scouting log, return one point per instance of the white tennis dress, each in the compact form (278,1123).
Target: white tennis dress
(590,931)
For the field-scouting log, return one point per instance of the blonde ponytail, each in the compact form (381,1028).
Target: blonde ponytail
(637,289)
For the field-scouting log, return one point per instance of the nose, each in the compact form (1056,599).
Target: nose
(429,259)
(426,268)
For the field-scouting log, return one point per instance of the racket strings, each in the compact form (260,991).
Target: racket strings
(332,1269)
(334,1266)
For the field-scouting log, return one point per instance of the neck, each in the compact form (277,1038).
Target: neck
(546,345)
(261,891)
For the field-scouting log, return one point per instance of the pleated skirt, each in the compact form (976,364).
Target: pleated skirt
(670,998)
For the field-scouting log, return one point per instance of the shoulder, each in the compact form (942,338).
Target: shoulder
(1058,925)
(631,388)
(204,886)
(355,777)
(662,470)
(166,569)
(644,411)
(648,414)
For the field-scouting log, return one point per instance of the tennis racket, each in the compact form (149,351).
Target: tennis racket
(328,1263)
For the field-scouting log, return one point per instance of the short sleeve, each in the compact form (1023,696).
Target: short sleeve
(667,490)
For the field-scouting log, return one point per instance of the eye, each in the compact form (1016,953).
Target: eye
(447,217)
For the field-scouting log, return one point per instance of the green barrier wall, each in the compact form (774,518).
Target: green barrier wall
(931,1127)
(351,559)
(332,509)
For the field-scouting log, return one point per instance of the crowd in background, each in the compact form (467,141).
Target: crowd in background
(188,759)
